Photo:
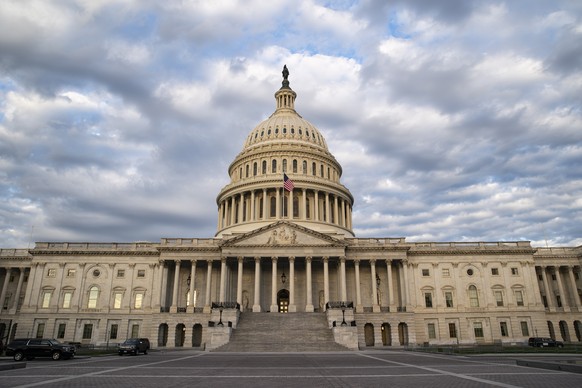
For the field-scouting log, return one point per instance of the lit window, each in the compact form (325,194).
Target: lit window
(67,296)
(46,299)
(117,298)
(138,300)
(51,273)
(93,296)
(431,331)
(71,273)
(503,328)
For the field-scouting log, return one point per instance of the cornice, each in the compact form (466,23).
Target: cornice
(54,252)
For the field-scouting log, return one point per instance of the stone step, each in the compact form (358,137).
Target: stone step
(272,332)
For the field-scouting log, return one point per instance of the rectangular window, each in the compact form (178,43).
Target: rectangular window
(87,331)
(51,273)
(141,273)
(478,329)
(117,297)
(134,331)
(71,273)
(428,299)
(449,298)
(558,301)
(446,272)
(61,330)
(519,298)
(6,302)
(67,296)
(494,271)
(554,276)
(541,277)
(46,299)
(503,327)
(113,331)
(524,328)
(120,273)
(452,330)
(545,301)
(514,271)
(138,300)
(425,272)
(40,330)
(498,298)
(431,331)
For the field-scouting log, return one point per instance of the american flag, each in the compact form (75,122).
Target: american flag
(287,183)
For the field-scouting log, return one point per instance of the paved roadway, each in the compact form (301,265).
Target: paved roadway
(185,368)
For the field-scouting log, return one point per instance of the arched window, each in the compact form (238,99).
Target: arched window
(261,208)
(328,173)
(93,297)
(255,169)
(295,207)
(313,169)
(292,130)
(274,166)
(273,207)
(294,166)
(264,169)
(240,173)
(284,130)
(473,296)
(321,170)
(307,208)
(304,167)
(247,171)
(284,165)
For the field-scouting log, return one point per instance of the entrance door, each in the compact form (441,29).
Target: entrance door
(283,301)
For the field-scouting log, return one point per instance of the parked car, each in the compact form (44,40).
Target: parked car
(30,348)
(134,346)
(540,342)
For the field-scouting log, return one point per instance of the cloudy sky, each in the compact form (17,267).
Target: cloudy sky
(453,120)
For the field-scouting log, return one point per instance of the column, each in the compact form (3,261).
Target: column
(253,216)
(265,204)
(344,294)
(290,207)
(174,307)
(549,297)
(163,274)
(274,306)
(192,285)
(561,289)
(54,303)
(257,303)
(19,288)
(390,286)
(207,307)
(304,200)
(316,206)
(219,222)
(335,210)
(375,306)
(241,207)
(309,300)
(292,307)
(406,292)
(278,205)
(239,281)
(574,287)
(222,279)
(344,218)
(232,210)
(4,288)
(359,307)
(325,282)
(327,209)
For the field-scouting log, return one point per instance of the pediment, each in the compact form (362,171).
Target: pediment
(283,233)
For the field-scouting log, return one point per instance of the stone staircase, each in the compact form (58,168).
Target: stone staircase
(293,332)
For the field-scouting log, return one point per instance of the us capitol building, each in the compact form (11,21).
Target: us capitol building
(285,257)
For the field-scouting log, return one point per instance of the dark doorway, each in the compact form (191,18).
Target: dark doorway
(369,334)
(283,301)
(386,335)
(180,335)
(197,335)
(163,334)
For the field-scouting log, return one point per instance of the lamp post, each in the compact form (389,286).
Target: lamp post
(344,323)
(220,320)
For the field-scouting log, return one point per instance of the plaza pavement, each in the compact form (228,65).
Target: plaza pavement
(188,368)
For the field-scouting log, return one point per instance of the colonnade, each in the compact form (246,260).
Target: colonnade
(12,305)
(557,298)
(300,204)
(397,291)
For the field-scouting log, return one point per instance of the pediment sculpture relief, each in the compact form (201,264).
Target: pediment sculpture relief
(282,236)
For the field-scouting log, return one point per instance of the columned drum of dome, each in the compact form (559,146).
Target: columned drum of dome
(285,143)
